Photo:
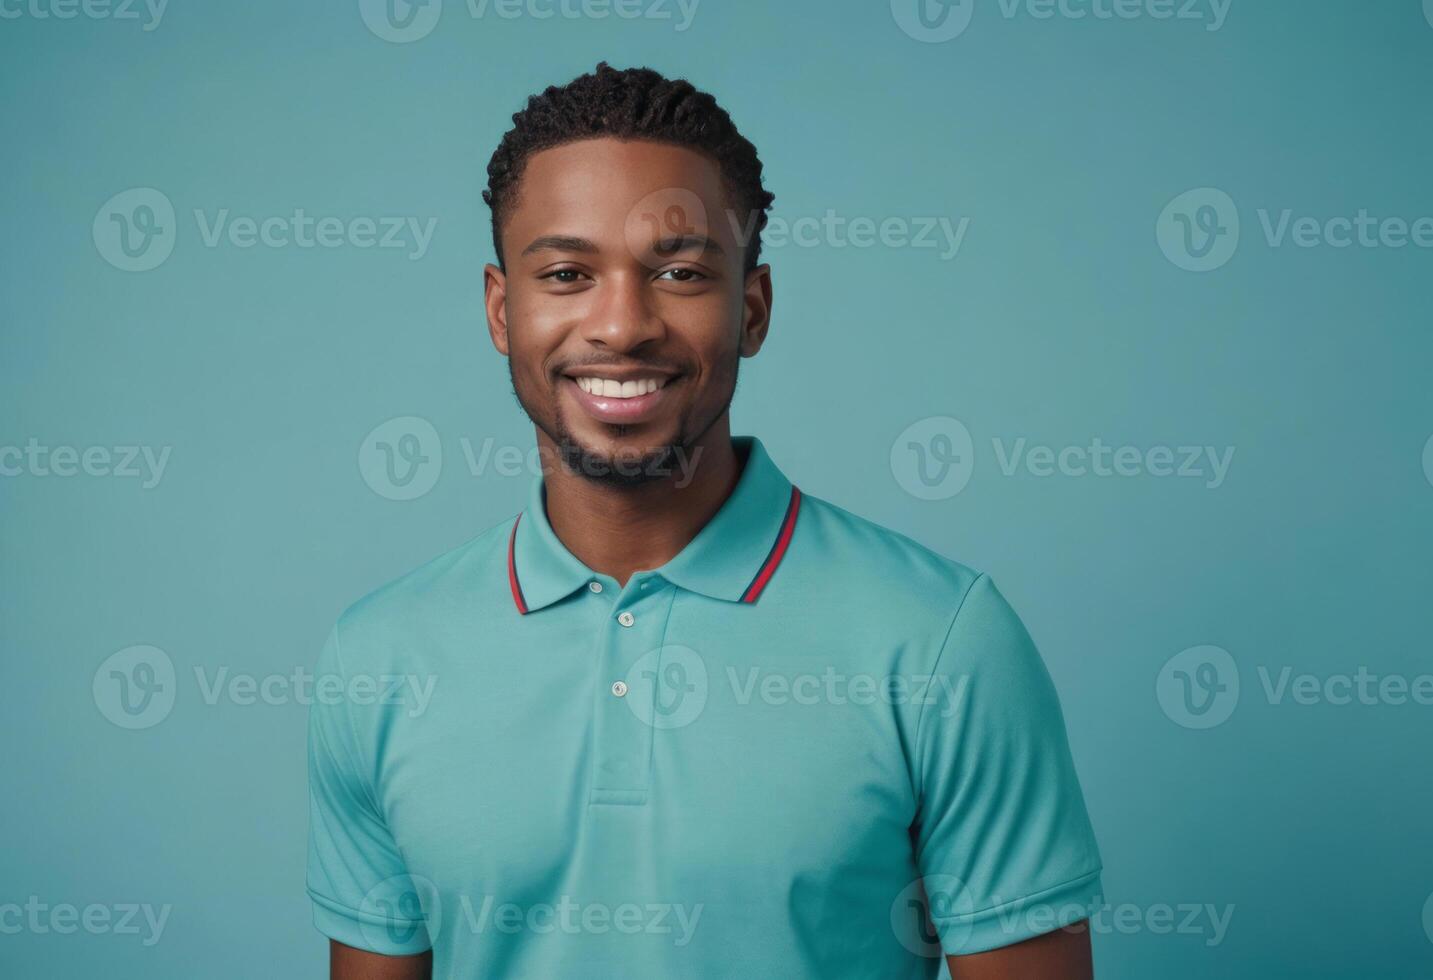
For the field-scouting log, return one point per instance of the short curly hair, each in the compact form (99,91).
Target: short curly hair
(629,104)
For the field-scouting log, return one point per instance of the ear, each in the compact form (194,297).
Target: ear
(495,295)
(756,311)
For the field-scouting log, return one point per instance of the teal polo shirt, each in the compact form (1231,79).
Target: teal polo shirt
(805,747)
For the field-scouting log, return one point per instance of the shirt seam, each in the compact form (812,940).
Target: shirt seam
(919,771)
(1072,882)
(368,788)
(333,905)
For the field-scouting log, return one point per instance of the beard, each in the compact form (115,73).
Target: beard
(626,468)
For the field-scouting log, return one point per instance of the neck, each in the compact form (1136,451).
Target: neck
(619,530)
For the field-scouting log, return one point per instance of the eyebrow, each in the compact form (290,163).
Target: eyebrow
(681,243)
(663,247)
(559,243)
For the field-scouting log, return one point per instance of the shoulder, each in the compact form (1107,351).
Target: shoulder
(442,590)
(861,557)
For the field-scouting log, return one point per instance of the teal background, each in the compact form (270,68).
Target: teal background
(1059,321)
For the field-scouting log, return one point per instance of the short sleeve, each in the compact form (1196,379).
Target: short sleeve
(361,893)
(1003,841)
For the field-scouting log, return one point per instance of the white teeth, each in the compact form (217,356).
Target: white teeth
(608,388)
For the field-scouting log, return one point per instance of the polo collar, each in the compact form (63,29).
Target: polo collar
(733,556)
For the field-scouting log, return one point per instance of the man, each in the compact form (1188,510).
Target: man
(687,721)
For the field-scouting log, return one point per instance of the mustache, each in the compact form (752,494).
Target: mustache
(656,367)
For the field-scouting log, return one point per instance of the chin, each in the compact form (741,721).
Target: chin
(622,461)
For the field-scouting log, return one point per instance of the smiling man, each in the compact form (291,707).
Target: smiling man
(688,720)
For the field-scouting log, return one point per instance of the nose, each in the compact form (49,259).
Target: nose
(623,319)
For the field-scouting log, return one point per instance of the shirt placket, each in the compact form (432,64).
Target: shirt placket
(629,651)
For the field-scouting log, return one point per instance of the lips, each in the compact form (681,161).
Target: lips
(625,401)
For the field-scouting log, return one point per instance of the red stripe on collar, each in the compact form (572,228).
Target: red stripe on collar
(778,550)
(512,569)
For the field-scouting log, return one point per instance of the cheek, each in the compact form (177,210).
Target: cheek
(536,330)
(708,326)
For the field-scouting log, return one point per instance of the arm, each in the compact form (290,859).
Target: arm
(1060,955)
(347,963)
(1002,839)
(364,900)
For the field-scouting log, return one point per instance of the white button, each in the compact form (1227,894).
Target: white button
(619,688)
(626,619)
(595,586)
(644,585)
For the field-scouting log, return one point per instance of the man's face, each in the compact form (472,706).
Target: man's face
(624,309)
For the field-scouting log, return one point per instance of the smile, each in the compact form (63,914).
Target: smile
(626,402)
(610,388)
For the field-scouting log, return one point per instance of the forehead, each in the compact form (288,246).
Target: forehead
(596,188)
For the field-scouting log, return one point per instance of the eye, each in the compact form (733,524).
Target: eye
(564,276)
(682,275)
